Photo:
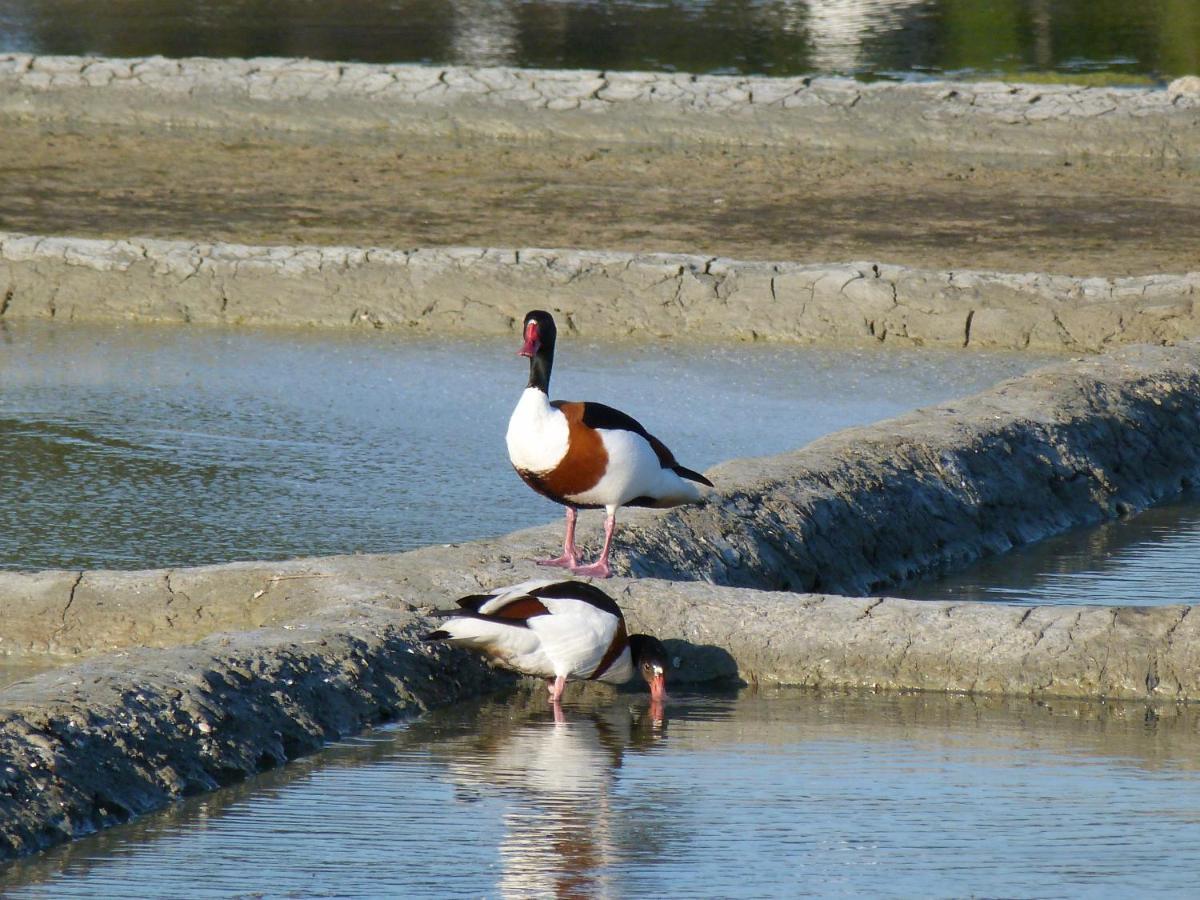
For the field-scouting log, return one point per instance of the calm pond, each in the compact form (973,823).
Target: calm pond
(1148,559)
(136,447)
(1115,39)
(747,794)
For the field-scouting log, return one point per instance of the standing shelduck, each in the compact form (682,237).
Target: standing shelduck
(587,455)
(558,630)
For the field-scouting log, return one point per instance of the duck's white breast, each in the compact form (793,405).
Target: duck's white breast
(537,433)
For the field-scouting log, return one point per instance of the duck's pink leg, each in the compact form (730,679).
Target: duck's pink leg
(600,568)
(570,557)
(556,687)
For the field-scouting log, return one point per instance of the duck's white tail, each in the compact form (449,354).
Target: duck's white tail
(685,486)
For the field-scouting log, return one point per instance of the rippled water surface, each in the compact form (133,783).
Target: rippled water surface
(775,794)
(776,37)
(1149,559)
(131,447)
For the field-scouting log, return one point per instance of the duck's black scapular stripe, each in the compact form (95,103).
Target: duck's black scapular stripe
(582,591)
(474,601)
(597,415)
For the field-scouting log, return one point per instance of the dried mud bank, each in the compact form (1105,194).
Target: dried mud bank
(1053,121)
(193,678)
(865,508)
(95,744)
(486,291)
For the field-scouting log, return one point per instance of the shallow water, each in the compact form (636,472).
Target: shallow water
(1148,559)
(890,38)
(132,447)
(772,794)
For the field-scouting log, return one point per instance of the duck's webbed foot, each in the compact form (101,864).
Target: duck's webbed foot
(599,569)
(570,556)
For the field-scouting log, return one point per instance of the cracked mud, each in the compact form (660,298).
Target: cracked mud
(485,291)
(777,204)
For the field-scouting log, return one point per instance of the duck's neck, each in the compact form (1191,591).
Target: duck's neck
(540,365)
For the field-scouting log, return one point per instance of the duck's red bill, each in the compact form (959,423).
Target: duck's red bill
(531,341)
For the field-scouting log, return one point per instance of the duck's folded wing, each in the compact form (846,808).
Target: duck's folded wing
(578,591)
(496,599)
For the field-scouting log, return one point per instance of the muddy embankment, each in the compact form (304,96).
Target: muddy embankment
(480,291)
(199,677)
(523,104)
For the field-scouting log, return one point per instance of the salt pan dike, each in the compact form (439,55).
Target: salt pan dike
(470,290)
(181,680)
(536,104)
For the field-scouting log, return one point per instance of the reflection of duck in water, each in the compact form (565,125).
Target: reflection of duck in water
(562,829)
(558,630)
